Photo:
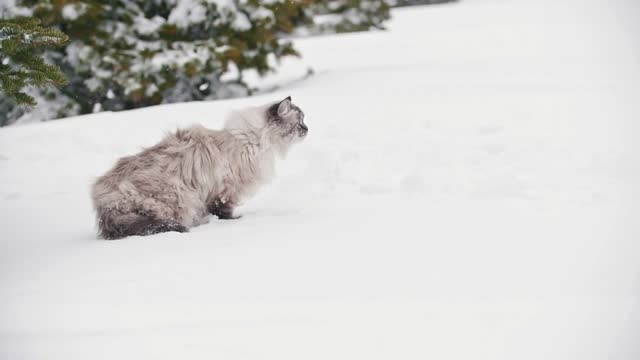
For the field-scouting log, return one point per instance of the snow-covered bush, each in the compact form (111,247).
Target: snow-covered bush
(126,54)
(349,15)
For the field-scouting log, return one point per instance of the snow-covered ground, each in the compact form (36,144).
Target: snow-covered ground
(468,190)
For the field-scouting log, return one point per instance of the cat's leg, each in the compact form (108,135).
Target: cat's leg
(202,220)
(151,226)
(115,225)
(222,207)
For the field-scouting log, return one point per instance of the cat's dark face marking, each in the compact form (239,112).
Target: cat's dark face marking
(287,120)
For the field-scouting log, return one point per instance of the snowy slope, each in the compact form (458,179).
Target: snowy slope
(468,190)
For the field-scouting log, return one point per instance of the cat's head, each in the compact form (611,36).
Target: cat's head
(286,121)
(281,124)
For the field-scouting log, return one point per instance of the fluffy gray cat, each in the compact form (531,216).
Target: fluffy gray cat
(195,172)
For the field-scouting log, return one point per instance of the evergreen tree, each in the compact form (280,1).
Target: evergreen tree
(127,54)
(20,66)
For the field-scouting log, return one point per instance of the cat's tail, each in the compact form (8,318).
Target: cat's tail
(114,225)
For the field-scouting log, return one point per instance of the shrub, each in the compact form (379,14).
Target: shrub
(127,54)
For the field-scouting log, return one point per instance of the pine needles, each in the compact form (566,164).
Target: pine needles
(20,66)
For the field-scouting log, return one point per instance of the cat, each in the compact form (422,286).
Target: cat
(194,172)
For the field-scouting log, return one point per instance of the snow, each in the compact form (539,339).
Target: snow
(146,26)
(241,22)
(8,8)
(468,190)
(92,84)
(73,11)
(187,12)
(261,13)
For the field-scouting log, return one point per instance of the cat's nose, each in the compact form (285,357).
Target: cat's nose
(303,129)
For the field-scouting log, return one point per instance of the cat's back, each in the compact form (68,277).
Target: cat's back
(163,158)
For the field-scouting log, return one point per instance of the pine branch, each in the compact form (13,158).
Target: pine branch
(20,39)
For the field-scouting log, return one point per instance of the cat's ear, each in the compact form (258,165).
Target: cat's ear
(284,106)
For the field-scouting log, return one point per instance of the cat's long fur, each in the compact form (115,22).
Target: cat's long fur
(195,172)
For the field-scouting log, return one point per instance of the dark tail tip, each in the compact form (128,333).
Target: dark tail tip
(143,226)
